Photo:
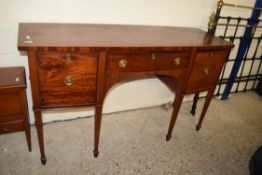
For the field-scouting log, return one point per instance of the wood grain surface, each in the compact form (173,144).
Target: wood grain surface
(55,35)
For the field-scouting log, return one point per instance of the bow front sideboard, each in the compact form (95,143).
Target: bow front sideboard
(76,64)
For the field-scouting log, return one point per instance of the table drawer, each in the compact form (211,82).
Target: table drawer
(206,70)
(67,79)
(8,127)
(147,62)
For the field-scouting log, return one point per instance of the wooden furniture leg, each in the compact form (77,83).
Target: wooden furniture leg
(28,136)
(98,118)
(204,110)
(26,122)
(176,105)
(100,98)
(39,130)
(196,98)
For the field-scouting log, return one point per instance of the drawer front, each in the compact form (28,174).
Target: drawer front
(206,70)
(147,62)
(67,79)
(11,126)
(10,105)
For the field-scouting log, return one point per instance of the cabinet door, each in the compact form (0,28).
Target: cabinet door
(206,70)
(66,79)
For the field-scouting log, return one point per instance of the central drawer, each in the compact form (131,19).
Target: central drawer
(66,79)
(147,61)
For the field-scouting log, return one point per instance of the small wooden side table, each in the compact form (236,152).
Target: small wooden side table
(13,102)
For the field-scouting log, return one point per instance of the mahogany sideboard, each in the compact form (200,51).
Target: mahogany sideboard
(76,64)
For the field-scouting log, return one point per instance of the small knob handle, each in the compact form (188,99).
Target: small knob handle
(206,71)
(177,61)
(122,63)
(68,57)
(68,81)
(153,56)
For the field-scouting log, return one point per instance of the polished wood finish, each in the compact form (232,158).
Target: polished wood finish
(40,135)
(176,105)
(99,100)
(206,69)
(54,68)
(147,62)
(82,62)
(204,110)
(13,103)
(12,77)
(80,37)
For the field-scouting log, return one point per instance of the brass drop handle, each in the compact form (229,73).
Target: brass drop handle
(122,63)
(206,71)
(177,61)
(68,81)
(68,57)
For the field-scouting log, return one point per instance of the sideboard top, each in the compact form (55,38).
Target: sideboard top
(46,35)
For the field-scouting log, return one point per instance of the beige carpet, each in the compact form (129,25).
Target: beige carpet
(133,142)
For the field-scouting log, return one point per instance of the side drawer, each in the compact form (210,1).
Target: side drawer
(66,79)
(206,70)
(147,61)
(8,127)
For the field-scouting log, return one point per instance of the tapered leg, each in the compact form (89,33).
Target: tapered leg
(177,103)
(26,122)
(98,118)
(204,110)
(196,98)
(39,130)
(28,135)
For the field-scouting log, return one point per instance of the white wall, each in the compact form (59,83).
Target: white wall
(142,93)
